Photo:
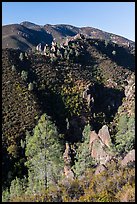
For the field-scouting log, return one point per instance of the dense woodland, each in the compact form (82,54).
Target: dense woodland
(68,123)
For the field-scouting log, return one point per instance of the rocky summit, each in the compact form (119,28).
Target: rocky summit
(68,114)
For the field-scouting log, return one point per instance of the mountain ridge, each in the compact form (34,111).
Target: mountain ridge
(29,34)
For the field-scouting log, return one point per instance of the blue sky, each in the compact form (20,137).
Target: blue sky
(113,17)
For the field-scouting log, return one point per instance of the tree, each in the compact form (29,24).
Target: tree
(83,155)
(44,156)
(125,137)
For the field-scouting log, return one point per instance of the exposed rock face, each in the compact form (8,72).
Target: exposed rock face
(99,152)
(68,173)
(93,136)
(66,155)
(99,144)
(67,160)
(130,157)
(45,48)
(104,135)
(87,95)
(38,47)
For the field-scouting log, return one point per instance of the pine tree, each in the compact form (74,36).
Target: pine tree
(83,155)
(44,156)
(125,137)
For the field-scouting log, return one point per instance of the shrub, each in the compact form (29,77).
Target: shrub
(113,52)
(106,43)
(58,53)
(21,56)
(65,53)
(127,193)
(53,59)
(76,53)
(30,86)
(17,187)
(13,68)
(12,149)
(5,195)
(24,75)
(109,185)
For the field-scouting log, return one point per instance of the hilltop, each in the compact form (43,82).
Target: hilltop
(27,35)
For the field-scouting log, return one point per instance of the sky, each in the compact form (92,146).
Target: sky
(113,17)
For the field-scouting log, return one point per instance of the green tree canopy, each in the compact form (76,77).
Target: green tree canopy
(44,155)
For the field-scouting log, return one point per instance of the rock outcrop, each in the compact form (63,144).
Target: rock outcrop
(104,135)
(67,160)
(99,152)
(130,157)
(99,145)
(93,136)
(39,47)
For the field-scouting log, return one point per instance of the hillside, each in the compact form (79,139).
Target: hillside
(77,100)
(27,35)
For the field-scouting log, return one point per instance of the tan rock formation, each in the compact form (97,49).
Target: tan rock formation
(99,153)
(68,172)
(104,135)
(93,136)
(99,145)
(66,155)
(130,157)
(67,160)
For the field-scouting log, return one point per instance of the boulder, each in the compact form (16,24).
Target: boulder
(130,157)
(104,135)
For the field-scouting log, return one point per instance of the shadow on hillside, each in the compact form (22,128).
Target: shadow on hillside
(105,105)
(86,59)
(121,55)
(65,32)
(39,36)
(52,104)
